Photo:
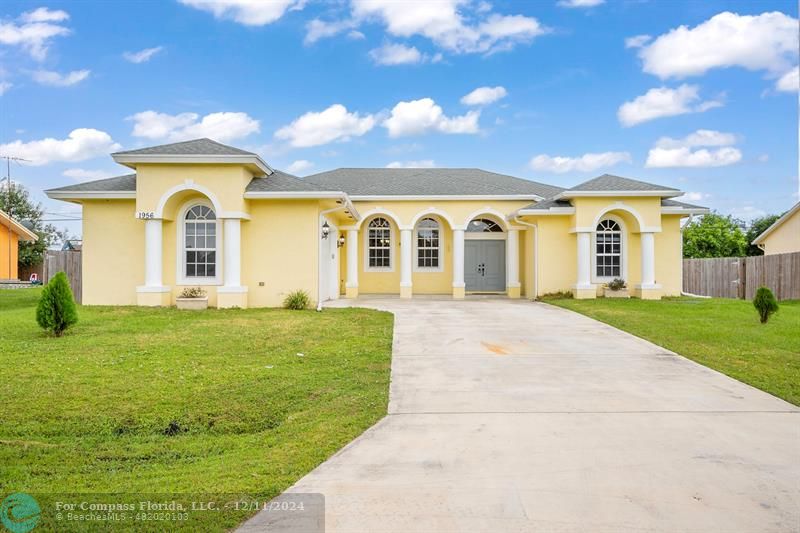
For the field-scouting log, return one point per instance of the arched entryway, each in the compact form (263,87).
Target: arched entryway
(484,255)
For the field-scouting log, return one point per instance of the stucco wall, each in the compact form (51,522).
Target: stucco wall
(9,244)
(786,238)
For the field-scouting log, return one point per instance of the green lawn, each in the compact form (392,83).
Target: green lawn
(721,334)
(144,400)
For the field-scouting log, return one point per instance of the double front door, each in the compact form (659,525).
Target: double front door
(485,265)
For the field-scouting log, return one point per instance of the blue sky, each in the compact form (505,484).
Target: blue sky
(697,95)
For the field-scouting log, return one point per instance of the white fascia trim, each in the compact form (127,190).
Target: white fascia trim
(551,211)
(91,195)
(416,197)
(662,194)
(685,211)
(255,195)
(778,223)
(16,227)
(130,160)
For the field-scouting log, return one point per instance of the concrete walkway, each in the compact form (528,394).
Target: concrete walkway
(512,416)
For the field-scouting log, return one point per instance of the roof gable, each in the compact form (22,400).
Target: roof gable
(202,146)
(778,223)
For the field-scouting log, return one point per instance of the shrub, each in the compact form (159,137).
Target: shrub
(765,303)
(560,295)
(297,300)
(192,292)
(617,284)
(56,309)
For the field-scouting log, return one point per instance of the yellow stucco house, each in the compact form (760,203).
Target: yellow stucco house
(200,213)
(11,232)
(783,236)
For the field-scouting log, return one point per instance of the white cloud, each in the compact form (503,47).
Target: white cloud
(356,35)
(747,212)
(56,79)
(671,153)
(637,41)
(300,166)
(396,54)
(43,14)
(319,29)
(35,33)
(142,56)
(444,23)
(333,124)
(5,86)
(81,144)
(222,127)
(422,163)
(484,95)
(693,197)
(761,42)
(81,174)
(664,102)
(585,163)
(424,115)
(580,3)
(247,12)
(789,82)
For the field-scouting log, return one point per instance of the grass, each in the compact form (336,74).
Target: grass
(159,401)
(722,334)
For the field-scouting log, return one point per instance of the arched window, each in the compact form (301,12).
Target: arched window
(428,244)
(200,242)
(484,225)
(608,249)
(379,244)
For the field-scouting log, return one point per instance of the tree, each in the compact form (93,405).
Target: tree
(714,235)
(757,227)
(19,205)
(56,309)
(765,303)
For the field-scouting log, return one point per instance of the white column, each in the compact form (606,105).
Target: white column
(512,258)
(405,263)
(458,263)
(584,260)
(648,261)
(152,253)
(352,259)
(232,250)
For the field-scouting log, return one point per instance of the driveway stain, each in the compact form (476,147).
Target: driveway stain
(495,348)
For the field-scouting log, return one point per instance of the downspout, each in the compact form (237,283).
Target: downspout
(345,205)
(535,254)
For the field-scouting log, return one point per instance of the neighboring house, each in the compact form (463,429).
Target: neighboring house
(783,236)
(200,213)
(11,232)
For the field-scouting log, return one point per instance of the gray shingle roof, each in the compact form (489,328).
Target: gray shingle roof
(194,147)
(126,183)
(609,182)
(426,182)
(674,203)
(547,204)
(280,182)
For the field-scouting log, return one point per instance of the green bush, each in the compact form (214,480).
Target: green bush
(297,300)
(765,303)
(56,309)
(192,292)
(617,284)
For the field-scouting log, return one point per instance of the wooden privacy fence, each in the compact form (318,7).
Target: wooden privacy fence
(740,277)
(67,261)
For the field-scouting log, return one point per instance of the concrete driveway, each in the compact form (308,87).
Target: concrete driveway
(513,416)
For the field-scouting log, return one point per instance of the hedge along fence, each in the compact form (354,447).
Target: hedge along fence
(740,277)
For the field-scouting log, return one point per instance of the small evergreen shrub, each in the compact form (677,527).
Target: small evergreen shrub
(765,303)
(560,295)
(56,310)
(297,300)
(617,284)
(192,292)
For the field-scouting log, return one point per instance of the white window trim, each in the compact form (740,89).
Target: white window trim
(392,245)
(440,248)
(180,276)
(623,256)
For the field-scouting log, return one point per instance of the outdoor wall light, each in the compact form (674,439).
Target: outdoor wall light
(340,241)
(326,230)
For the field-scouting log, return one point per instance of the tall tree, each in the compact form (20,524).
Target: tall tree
(16,202)
(714,235)
(757,227)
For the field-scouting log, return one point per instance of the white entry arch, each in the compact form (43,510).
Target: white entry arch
(493,213)
(208,193)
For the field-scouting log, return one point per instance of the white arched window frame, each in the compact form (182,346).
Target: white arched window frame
(483,228)
(199,245)
(609,247)
(379,241)
(428,246)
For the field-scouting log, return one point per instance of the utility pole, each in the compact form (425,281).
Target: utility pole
(9,159)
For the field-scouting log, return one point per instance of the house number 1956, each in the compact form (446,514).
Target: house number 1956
(145,215)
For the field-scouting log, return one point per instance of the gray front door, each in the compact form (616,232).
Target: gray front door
(485,265)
